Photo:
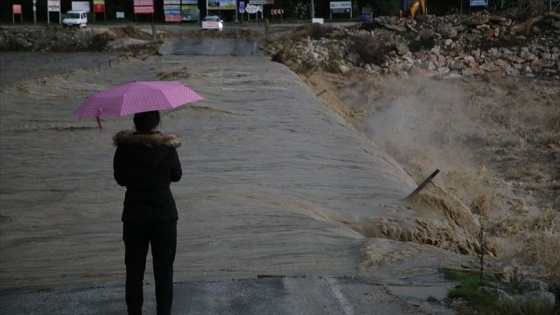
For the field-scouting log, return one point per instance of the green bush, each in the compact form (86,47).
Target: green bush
(486,304)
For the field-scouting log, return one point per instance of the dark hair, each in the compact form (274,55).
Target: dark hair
(146,121)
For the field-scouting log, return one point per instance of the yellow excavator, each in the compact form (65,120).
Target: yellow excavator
(416,4)
(414,8)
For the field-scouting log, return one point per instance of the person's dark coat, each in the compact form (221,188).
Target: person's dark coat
(147,164)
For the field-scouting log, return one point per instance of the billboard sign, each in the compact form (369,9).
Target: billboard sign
(143,6)
(341,5)
(54,5)
(221,4)
(172,10)
(479,3)
(190,10)
(252,8)
(81,6)
(98,5)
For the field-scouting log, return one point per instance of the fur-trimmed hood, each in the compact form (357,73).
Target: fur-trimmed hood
(129,137)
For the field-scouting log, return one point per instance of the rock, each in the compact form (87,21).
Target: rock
(443,70)
(425,33)
(540,297)
(447,31)
(489,66)
(499,293)
(353,58)
(469,72)
(494,52)
(532,285)
(402,48)
(541,64)
(512,71)
(500,63)
(472,37)
(403,74)
(504,53)
(396,28)
(343,69)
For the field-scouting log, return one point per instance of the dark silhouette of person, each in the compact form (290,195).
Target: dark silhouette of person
(146,162)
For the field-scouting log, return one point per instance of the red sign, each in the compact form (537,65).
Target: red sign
(99,7)
(145,3)
(143,10)
(143,6)
(173,18)
(16,8)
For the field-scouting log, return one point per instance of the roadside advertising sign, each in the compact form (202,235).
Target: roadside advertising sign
(479,3)
(173,17)
(221,4)
(143,6)
(98,5)
(261,2)
(144,3)
(341,5)
(190,10)
(251,9)
(338,7)
(16,9)
(54,5)
(81,6)
(143,10)
(190,13)
(172,10)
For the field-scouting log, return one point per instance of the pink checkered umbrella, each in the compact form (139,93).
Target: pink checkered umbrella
(136,97)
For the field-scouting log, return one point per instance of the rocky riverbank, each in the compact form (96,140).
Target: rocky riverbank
(475,45)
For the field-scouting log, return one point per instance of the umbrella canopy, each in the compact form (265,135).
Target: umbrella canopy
(137,97)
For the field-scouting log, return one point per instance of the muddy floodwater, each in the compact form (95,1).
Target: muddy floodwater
(274,182)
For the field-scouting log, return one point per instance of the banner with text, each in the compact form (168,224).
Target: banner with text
(54,5)
(479,3)
(172,10)
(143,6)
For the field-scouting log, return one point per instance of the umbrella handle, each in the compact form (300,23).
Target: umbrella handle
(99,122)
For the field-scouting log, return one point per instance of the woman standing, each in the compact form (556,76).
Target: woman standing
(146,162)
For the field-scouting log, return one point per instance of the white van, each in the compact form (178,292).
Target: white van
(75,18)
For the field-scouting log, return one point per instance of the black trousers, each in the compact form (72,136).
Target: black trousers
(162,236)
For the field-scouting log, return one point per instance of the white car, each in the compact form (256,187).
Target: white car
(212,22)
(75,18)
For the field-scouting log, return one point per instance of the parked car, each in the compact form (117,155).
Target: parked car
(75,18)
(212,22)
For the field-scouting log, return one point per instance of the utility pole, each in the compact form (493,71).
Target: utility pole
(35,11)
(312,9)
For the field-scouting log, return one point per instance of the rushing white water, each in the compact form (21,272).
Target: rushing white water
(274,181)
